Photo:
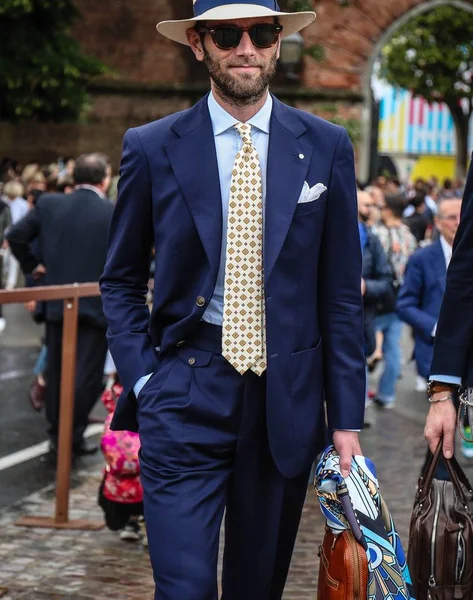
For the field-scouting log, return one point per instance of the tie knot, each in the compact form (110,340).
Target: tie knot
(245,132)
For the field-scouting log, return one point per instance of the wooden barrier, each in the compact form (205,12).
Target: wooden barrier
(70,294)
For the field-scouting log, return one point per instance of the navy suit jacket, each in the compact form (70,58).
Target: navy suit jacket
(453,351)
(70,231)
(169,196)
(420,298)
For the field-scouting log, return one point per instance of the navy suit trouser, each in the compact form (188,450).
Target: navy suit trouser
(205,451)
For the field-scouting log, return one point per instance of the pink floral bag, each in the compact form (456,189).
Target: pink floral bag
(120,450)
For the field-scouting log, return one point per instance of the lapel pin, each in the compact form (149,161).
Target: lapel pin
(301,156)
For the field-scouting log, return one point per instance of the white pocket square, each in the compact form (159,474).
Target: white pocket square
(309,194)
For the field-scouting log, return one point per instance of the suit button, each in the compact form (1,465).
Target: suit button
(191,360)
(200,301)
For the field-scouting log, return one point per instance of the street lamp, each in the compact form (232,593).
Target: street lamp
(291,55)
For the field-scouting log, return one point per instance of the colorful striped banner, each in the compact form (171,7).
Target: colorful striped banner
(410,125)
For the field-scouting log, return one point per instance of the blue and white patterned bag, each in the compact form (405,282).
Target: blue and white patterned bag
(355,503)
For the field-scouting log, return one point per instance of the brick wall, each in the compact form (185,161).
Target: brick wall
(122,34)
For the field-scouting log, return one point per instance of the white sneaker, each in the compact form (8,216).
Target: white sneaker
(131,532)
(3,324)
(421,384)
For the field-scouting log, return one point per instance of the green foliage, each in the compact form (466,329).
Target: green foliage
(300,5)
(432,55)
(353,127)
(316,51)
(43,73)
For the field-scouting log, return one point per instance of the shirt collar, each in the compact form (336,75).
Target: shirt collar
(222,121)
(447,249)
(92,188)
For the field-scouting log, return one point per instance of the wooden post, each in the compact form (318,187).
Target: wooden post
(66,411)
(71,295)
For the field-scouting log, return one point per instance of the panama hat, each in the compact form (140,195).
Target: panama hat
(222,10)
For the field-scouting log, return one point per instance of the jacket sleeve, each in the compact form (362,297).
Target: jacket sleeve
(379,284)
(410,299)
(20,236)
(124,283)
(454,337)
(340,297)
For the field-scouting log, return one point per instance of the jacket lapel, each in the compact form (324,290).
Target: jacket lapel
(194,161)
(288,163)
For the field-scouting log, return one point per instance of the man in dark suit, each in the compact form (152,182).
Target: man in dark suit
(72,233)
(254,332)
(452,362)
(420,297)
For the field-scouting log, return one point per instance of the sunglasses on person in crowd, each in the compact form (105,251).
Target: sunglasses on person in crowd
(226,37)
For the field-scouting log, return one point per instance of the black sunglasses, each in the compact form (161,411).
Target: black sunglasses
(226,37)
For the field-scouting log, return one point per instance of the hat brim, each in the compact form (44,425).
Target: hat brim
(291,22)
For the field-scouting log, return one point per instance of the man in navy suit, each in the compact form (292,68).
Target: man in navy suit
(256,331)
(452,362)
(420,297)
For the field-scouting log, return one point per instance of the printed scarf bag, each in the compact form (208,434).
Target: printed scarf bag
(355,504)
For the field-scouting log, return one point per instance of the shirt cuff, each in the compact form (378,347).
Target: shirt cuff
(446,379)
(139,385)
(352,430)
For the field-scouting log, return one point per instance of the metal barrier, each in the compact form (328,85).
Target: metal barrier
(71,295)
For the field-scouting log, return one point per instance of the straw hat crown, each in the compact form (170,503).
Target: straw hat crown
(227,10)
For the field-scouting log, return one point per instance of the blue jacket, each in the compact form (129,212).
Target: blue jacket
(420,299)
(169,196)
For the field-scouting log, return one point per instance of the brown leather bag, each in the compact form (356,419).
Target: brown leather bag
(343,571)
(440,555)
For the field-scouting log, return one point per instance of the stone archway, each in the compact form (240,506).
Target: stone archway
(352,34)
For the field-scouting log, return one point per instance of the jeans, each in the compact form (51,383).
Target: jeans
(41,361)
(391,327)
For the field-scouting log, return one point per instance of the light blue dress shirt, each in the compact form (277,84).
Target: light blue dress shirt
(228,143)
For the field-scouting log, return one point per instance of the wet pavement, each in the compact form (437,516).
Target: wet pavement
(52,565)
(40,564)
(21,428)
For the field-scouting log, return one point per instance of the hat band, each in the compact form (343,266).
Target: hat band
(202,6)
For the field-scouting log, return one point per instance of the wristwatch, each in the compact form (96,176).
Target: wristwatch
(433,387)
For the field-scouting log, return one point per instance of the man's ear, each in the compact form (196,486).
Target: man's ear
(278,52)
(195,42)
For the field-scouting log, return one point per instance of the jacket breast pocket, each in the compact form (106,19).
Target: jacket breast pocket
(305,208)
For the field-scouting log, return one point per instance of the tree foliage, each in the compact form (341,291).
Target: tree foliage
(432,56)
(43,72)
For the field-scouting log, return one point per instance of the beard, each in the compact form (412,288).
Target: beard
(244,90)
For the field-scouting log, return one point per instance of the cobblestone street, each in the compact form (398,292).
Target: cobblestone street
(40,564)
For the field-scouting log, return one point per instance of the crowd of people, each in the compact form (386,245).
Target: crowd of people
(407,233)
(54,222)
(405,230)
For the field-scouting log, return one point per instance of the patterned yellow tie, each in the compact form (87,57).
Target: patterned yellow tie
(244,322)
